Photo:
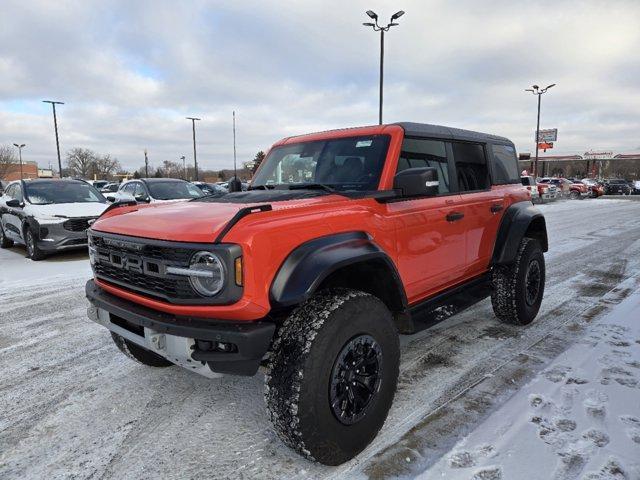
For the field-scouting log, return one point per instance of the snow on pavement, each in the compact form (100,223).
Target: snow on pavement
(579,418)
(73,406)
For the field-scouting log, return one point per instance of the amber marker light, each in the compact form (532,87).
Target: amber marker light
(238,268)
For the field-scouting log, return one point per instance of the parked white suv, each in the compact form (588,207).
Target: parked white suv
(48,215)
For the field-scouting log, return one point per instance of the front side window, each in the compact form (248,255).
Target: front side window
(46,193)
(129,188)
(343,164)
(505,165)
(417,153)
(173,190)
(471,166)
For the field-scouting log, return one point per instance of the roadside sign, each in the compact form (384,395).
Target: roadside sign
(591,155)
(549,135)
(545,145)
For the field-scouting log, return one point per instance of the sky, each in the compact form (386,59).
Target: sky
(130,72)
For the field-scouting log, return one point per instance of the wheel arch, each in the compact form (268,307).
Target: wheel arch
(520,220)
(350,260)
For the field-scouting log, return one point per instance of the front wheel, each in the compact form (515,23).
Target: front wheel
(332,375)
(518,288)
(33,252)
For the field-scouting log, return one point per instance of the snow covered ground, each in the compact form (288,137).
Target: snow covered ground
(74,407)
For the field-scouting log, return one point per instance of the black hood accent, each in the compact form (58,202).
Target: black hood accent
(261,196)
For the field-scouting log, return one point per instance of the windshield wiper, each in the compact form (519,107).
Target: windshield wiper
(312,186)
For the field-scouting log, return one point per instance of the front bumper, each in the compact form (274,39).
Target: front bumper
(54,238)
(186,341)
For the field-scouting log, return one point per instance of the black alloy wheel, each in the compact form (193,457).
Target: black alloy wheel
(355,379)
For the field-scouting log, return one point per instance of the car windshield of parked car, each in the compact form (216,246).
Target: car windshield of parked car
(173,190)
(342,164)
(47,193)
(617,182)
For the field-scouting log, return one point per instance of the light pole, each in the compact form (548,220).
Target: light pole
(378,28)
(184,166)
(55,124)
(20,147)
(195,158)
(536,90)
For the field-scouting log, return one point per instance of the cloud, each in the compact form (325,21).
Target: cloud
(129,72)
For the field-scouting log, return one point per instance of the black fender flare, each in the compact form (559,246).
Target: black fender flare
(518,220)
(309,264)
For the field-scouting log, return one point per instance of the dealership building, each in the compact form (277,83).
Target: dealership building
(589,164)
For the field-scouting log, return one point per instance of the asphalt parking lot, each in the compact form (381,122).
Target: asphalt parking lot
(74,407)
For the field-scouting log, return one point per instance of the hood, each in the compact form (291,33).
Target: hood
(199,222)
(70,210)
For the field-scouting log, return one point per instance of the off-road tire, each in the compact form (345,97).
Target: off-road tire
(4,241)
(33,252)
(509,294)
(139,354)
(300,368)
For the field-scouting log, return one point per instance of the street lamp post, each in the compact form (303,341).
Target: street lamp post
(195,158)
(378,28)
(184,165)
(536,90)
(146,164)
(55,125)
(20,147)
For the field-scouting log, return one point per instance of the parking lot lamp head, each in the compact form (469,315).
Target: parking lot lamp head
(397,15)
(372,15)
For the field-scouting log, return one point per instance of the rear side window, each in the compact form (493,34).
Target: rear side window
(418,153)
(471,166)
(505,166)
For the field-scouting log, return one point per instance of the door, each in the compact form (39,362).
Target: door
(483,204)
(12,219)
(430,239)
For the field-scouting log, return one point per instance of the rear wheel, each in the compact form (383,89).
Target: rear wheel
(518,288)
(139,354)
(574,195)
(33,252)
(4,241)
(332,375)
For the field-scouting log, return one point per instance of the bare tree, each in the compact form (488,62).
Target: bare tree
(7,158)
(81,162)
(105,166)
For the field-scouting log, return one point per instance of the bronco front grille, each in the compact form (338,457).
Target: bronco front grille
(141,267)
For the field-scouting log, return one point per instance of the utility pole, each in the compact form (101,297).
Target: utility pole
(195,158)
(378,28)
(55,125)
(20,147)
(184,166)
(146,164)
(536,90)
(235,185)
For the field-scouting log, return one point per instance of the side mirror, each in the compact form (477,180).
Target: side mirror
(14,203)
(111,198)
(417,182)
(142,199)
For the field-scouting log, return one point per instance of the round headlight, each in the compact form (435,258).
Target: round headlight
(208,273)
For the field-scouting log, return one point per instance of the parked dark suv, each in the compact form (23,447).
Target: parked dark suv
(616,186)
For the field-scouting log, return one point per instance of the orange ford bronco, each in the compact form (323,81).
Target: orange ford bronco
(344,240)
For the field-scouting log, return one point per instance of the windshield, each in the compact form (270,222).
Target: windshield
(173,190)
(617,182)
(46,193)
(343,164)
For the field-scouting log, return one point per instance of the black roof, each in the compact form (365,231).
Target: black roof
(440,131)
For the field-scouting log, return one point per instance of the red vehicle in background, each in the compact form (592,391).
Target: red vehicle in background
(578,190)
(596,189)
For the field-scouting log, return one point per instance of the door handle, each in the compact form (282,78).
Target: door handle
(455,216)
(496,208)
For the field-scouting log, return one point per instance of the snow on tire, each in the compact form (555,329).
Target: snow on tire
(518,288)
(310,372)
(139,354)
